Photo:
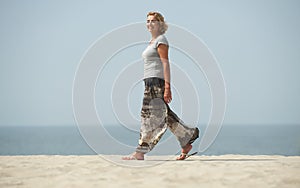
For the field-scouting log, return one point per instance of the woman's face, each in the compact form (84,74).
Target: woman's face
(152,24)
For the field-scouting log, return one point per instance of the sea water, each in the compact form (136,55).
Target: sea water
(67,140)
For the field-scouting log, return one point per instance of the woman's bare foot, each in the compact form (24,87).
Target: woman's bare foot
(185,150)
(134,156)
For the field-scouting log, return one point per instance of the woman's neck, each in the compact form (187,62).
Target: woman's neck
(155,35)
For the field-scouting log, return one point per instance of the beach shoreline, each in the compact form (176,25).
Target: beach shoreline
(162,171)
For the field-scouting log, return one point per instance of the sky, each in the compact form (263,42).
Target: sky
(256,44)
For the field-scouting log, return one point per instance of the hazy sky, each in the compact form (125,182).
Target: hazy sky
(256,43)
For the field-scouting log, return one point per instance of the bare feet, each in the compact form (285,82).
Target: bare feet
(185,150)
(134,156)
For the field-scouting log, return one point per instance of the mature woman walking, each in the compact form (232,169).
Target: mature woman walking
(156,115)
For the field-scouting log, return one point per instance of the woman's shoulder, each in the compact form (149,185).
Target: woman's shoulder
(162,39)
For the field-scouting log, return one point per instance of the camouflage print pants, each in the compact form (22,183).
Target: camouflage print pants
(156,117)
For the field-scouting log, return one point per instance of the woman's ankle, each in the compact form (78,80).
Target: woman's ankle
(139,155)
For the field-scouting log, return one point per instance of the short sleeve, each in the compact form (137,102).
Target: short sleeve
(161,40)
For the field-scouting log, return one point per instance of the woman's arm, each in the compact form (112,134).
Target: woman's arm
(162,50)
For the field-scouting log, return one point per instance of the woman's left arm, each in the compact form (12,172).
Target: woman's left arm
(162,50)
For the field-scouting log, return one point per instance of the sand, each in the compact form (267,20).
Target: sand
(155,171)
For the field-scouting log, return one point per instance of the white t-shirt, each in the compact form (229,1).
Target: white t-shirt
(152,62)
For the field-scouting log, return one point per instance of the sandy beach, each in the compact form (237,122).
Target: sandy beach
(155,171)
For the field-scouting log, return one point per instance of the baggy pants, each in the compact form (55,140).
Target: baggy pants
(156,117)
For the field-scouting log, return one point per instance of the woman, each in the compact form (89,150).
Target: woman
(155,114)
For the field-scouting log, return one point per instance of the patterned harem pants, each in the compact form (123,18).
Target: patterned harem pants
(156,117)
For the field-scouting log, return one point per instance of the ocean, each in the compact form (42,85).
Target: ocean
(67,140)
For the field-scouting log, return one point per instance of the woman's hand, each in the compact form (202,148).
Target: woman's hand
(167,95)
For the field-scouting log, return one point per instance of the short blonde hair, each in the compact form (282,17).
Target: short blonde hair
(163,26)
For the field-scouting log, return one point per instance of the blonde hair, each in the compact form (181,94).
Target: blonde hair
(163,26)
